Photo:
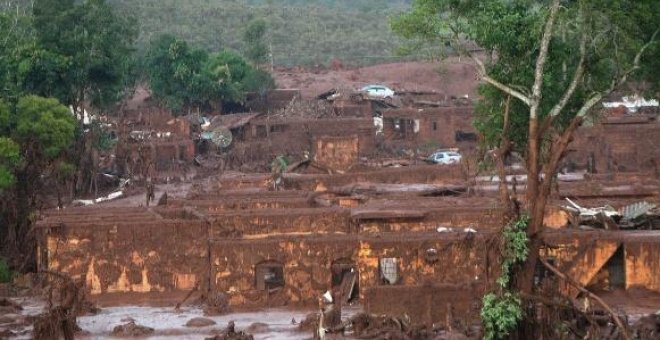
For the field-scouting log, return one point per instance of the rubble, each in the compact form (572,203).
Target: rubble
(640,215)
(200,322)
(131,329)
(230,333)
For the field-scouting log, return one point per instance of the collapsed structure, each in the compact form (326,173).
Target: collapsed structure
(396,239)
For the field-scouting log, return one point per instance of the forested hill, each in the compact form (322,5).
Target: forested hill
(300,31)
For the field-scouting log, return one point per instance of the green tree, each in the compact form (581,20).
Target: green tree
(177,75)
(34,136)
(545,65)
(81,52)
(185,78)
(256,49)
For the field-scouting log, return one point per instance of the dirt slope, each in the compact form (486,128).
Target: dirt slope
(452,77)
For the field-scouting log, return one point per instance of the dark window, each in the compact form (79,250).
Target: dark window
(435,126)
(388,268)
(345,276)
(261,131)
(541,272)
(269,275)
(278,128)
(465,136)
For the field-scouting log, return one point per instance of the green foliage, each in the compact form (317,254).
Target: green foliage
(44,126)
(255,47)
(500,315)
(102,139)
(185,77)
(301,32)
(5,273)
(81,52)
(176,73)
(9,158)
(40,130)
(514,248)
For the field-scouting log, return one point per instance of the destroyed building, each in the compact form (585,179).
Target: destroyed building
(385,238)
(394,239)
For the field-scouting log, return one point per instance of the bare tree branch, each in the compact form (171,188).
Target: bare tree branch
(483,74)
(600,301)
(577,77)
(541,59)
(504,88)
(617,82)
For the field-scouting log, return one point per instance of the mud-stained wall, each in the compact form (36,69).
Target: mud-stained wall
(426,304)
(642,265)
(456,218)
(428,174)
(623,145)
(583,255)
(336,153)
(307,264)
(444,126)
(148,257)
(268,222)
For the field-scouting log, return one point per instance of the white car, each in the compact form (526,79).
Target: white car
(445,157)
(378,91)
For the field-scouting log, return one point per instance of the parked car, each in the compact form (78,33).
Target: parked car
(445,157)
(378,91)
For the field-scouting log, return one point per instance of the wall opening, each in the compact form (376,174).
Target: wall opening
(616,269)
(541,272)
(269,275)
(435,126)
(388,268)
(345,278)
(461,136)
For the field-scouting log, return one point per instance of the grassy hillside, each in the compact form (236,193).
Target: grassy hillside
(300,31)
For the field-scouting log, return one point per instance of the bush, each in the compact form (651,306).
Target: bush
(500,315)
(5,273)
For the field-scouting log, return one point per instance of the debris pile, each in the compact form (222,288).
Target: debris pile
(131,329)
(230,333)
(640,215)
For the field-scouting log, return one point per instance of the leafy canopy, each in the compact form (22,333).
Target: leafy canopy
(82,51)
(40,131)
(185,77)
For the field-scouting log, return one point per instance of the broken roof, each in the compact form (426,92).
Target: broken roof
(232,121)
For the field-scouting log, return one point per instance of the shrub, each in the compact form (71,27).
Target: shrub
(5,273)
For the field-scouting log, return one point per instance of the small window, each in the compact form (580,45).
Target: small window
(269,275)
(435,126)
(461,136)
(261,131)
(278,128)
(389,270)
(541,272)
(397,125)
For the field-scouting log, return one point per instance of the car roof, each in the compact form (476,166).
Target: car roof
(373,86)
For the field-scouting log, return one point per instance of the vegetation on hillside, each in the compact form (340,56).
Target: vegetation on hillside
(297,32)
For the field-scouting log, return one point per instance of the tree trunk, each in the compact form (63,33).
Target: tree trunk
(537,203)
(533,171)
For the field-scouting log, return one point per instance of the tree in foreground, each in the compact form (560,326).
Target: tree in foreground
(35,135)
(545,66)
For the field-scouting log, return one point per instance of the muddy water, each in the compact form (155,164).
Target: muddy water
(169,324)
